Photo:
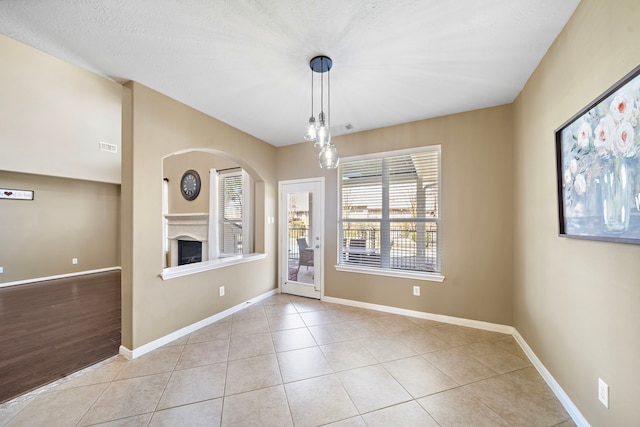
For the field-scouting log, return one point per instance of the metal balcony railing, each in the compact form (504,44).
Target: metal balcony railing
(362,246)
(294,234)
(404,250)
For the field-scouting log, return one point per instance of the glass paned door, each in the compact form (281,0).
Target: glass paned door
(301,227)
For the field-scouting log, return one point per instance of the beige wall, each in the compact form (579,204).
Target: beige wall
(53,116)
(175,166)
(155,126)
(577,302)
(477,220)
(67,219)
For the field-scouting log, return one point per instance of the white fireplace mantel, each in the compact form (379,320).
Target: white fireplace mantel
(193,225)
(187,226)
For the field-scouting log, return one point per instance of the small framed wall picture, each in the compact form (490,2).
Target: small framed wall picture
(6,193)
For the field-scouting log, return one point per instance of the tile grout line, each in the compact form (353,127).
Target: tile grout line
(389,331)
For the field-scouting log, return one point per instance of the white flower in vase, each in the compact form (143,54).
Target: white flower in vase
(580,185)
(573,166)
(621,107)
(604,135)
(623,143)
(584,135)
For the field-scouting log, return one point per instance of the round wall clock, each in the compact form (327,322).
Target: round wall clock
(190,184)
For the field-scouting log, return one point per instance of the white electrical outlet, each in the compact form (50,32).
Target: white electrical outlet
(74,260)
(416,291)
(603,392)
(221,291)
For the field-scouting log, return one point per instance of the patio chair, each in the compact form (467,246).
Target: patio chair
(357,249)
(306,254)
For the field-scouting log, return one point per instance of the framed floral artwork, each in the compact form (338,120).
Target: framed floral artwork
(598,166)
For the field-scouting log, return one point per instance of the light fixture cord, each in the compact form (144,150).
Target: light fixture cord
(311,91)
(329,98)
(321,86)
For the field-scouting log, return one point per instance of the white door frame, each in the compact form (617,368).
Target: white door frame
(316,241)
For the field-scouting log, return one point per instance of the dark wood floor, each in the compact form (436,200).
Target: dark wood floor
(51,329)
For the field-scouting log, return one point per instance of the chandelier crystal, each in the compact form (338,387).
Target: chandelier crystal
(323,133)
(310,135)
(328,157)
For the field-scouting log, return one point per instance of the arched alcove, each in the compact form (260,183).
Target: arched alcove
(220,222)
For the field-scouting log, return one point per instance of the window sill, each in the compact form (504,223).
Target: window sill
(432,277)
(199,267)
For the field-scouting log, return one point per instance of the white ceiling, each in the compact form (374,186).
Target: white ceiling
(246,62)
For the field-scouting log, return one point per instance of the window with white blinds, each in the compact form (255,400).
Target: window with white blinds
(390,211)
(230,215)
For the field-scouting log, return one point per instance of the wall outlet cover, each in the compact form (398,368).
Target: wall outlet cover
(603,392)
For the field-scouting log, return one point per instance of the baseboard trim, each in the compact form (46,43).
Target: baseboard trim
(59,276)
(146,348)
(564,399)
(494,327)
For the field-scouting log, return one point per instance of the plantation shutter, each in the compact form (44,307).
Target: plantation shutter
(230,214)
(389,214)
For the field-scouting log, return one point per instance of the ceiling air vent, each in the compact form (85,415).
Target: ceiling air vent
(111,148)
(341,129)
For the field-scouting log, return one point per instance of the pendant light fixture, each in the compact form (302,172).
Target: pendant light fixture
(310,135)
(320,132)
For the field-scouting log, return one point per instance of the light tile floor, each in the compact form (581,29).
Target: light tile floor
(293,361)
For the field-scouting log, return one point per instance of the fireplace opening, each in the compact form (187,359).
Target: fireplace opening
(189,251)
